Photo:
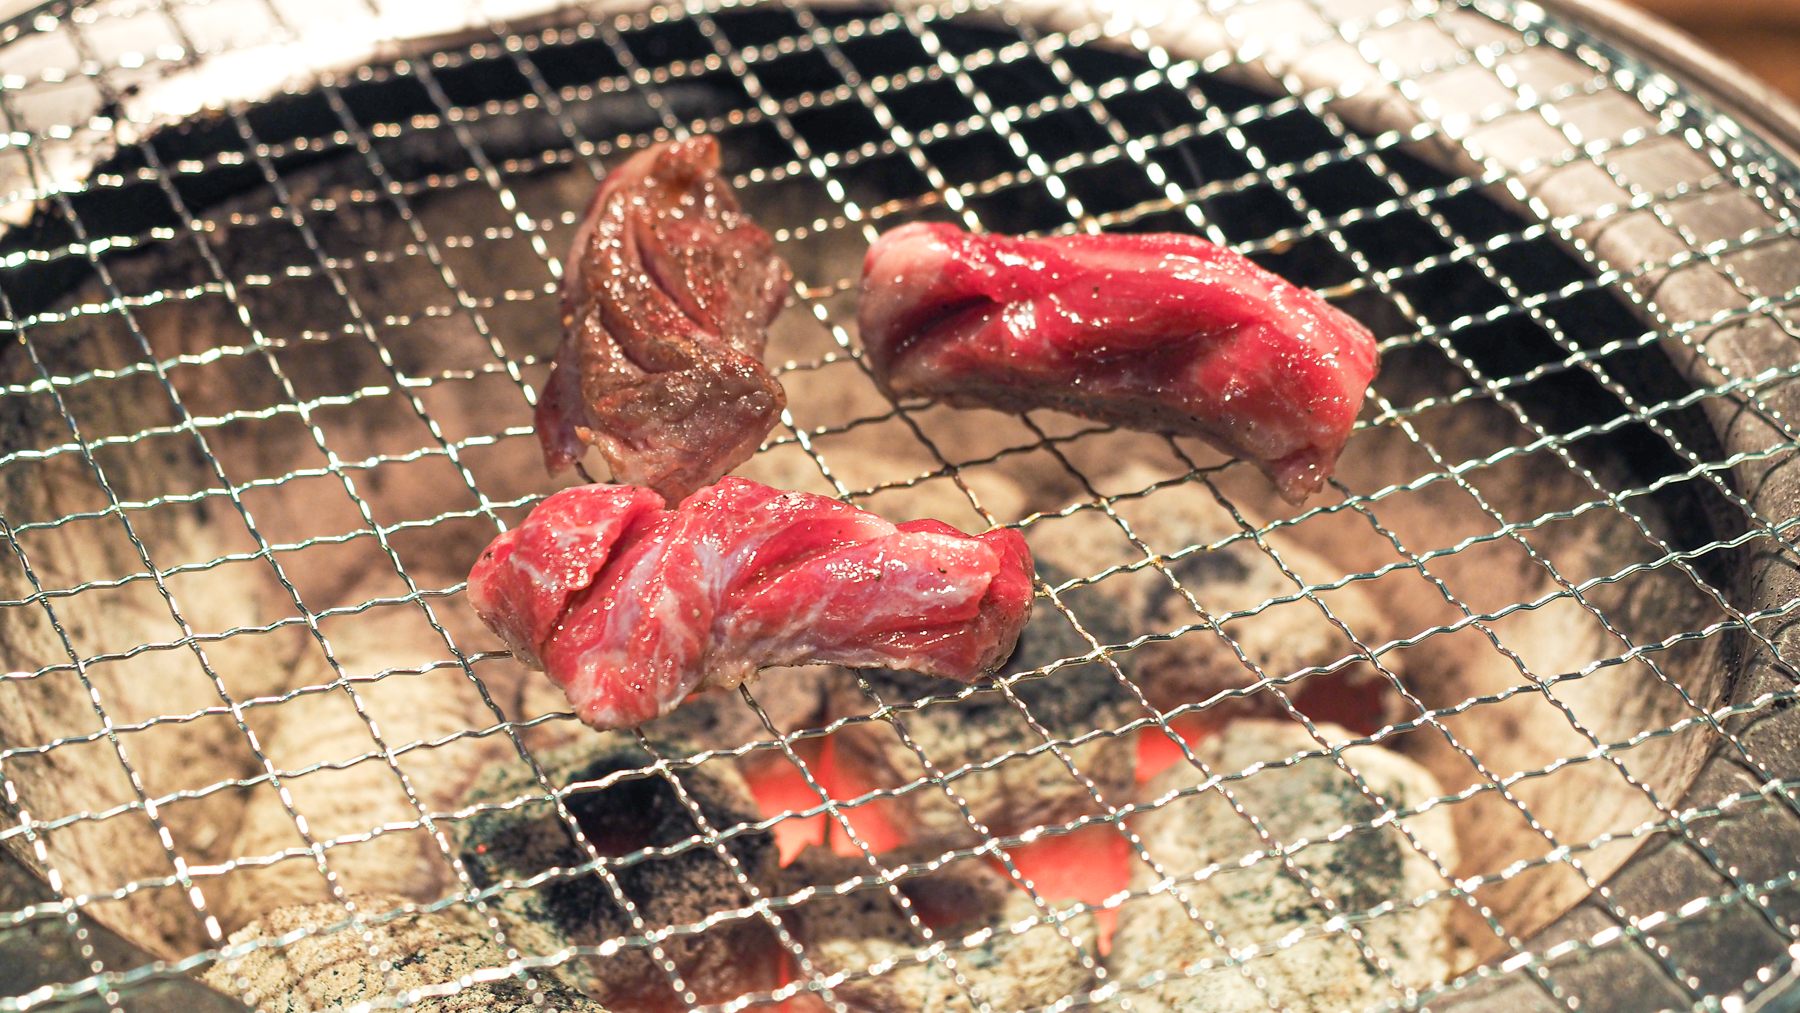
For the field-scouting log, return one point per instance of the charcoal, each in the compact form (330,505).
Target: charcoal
(1198,664)
(1259,905)
(334,969)
(1023,791)
(676,889)
(454,360)
(849,933)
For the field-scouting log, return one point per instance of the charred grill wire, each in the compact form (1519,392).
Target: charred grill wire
(267,390)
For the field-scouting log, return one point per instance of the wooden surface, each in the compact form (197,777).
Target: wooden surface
(1763,36)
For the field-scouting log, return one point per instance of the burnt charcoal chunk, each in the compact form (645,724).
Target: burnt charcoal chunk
(793,698)
(680,888)
(1227,573)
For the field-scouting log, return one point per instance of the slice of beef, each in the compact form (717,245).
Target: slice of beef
(630,607)
(1166,333)
(665,311)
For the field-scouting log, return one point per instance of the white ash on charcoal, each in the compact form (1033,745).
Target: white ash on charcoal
(941,498)
(186,517)
(635,812)
(357,790)
(149,687)
(335,969)
(1022,791)
(851,932)
(1199,664)
(1258,905)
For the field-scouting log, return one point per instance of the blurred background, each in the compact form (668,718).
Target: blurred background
(1762,35)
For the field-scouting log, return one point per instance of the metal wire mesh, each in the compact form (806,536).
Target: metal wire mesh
(906,94)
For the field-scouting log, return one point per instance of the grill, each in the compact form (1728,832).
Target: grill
(278,284)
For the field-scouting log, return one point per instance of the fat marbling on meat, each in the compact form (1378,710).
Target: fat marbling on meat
(1166,333)
(629,607)
(665,312)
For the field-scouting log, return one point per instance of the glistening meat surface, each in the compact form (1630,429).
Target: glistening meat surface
(630,607)
(1166,333)
(665,312)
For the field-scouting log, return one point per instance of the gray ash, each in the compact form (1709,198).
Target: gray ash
(333,968)
(850,933)
(1259,904)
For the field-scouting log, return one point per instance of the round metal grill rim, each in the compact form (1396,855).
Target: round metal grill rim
(1777,502)
(1768,124)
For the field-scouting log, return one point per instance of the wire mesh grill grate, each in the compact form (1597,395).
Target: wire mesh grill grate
(1520,418)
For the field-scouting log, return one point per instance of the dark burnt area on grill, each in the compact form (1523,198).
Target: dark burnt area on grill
(638,811)
(1198,569)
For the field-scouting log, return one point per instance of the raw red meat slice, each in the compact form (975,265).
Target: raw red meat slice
(630,607)
(1166,333)
(665,312)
